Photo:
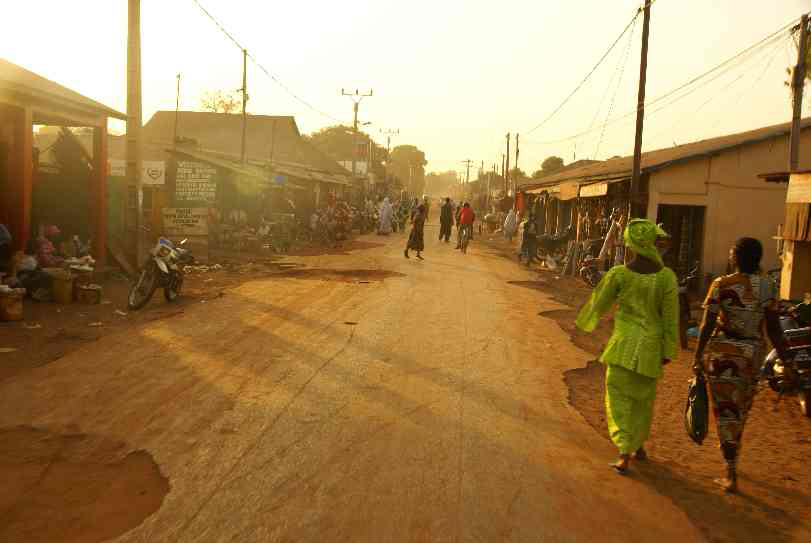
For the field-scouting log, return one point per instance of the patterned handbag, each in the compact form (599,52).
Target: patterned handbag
(697,410)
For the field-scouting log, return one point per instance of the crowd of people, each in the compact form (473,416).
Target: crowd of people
(26,268)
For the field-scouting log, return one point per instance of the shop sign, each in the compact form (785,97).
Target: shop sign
(153,172)
(185,221)
(568,191)
(195,182)
(591,191)
(799,189)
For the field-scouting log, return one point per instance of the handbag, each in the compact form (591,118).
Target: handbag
(697,410)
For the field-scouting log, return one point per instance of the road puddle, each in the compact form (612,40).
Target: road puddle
(73,486)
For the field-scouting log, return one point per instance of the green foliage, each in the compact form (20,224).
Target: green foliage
(337,141)
(551,164)
(407,163)
(220,102)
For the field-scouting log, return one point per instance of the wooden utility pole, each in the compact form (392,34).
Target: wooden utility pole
(507,168)
(244,101)
(177,111)
(134,119)
(467,164)
(356,98)
(797,83)
(640,111)
(515,181)
(503,175)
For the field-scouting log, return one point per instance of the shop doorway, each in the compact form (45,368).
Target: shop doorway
(685,224)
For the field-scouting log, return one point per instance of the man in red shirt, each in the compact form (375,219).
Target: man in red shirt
(466,218)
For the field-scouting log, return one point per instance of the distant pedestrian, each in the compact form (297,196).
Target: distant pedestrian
(416,241)
(510,225)
(384,226)
(446,220)
(645,338)
(529,241)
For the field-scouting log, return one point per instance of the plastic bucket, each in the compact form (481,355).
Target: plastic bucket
(62,285)
(11,306)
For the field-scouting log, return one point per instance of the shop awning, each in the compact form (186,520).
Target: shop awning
(594,190)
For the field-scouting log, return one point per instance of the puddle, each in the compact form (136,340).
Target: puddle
(347,276)
(73,487)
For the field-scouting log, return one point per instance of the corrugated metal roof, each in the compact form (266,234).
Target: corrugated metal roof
(620,168)
(17,79)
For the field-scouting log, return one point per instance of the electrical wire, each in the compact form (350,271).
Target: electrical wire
(725,66)
(580,85)
(614,97)
(261,67)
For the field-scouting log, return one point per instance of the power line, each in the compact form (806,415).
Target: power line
(261,67)
(726,65)
(578,87)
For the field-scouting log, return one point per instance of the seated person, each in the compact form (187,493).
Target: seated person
(47,255)
(5,249)
(30,276)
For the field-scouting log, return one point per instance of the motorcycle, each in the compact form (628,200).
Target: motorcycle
(163,270)
(793,376)
(590,265)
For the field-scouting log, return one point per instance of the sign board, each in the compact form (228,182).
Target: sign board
(360,166)
(568,191)
(799,189)
(195,182)
(185,221)
(591,191)
(153,172)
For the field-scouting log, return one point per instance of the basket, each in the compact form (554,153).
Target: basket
(62,285)
(11,306)
(88,294)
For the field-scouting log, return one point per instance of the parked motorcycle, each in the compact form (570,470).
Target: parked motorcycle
(590,264)
(793,376)
(163,270)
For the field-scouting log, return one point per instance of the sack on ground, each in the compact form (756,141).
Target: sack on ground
(697,410)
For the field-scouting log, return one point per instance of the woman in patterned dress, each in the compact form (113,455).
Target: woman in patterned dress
(416,239)
(645,338)
(739,313)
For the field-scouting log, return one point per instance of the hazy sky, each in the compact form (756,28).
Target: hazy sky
(453,76)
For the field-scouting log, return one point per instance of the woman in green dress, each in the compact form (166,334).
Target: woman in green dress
(645,338)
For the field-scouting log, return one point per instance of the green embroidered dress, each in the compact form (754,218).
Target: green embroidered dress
(646,330)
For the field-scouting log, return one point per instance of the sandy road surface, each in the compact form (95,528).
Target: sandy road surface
(425,406)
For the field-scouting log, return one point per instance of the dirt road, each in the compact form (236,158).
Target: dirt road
(370,398)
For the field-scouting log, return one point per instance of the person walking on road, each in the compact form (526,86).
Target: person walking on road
(445,221)
(384,227)
(645,338)
(739,312)
(416,240)
(510,225)
(465,221)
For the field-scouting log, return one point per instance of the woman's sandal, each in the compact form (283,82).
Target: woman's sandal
(641,455)
(621,465)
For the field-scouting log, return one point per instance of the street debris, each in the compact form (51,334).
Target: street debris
(4,350)
(95,324)
(121,313)
(32,325)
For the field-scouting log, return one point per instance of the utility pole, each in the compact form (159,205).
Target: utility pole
(177,112)
(356,98)
(797,83)
(244,100)
(467,164)
(134,119)
(507,170)
(503,175)
(515,181)
(640,111)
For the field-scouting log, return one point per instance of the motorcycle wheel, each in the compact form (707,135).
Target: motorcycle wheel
(805,402)
(142,291)
(172,292)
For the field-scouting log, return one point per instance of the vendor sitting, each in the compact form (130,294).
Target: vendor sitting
(47,255)
(30,276)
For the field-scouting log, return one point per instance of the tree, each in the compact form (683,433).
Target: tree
(439,184)
(220,102)
(407,163)
(336,141)
(517,173)
(551,164)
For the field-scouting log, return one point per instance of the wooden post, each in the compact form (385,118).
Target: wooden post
(244,101)
(640,111)
(99,192)
(23,167)
(134,121)
(797,84)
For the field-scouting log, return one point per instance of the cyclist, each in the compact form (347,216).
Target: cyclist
(465,221)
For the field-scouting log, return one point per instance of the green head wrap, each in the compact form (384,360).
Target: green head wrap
(640,237)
